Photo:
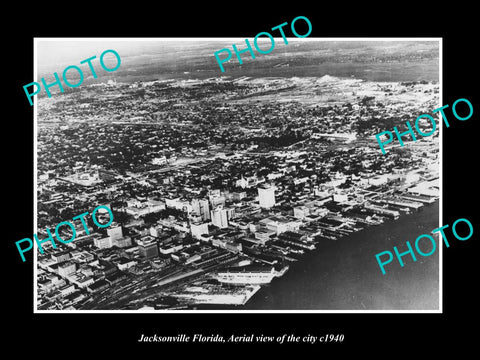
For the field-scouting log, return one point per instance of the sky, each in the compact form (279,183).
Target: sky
(71,52)
(197,54)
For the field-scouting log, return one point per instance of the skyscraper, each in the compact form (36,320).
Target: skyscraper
(115,232)
(230,213)
(147,247)
(103,243)
(201,207)
(266,196)
(219,217)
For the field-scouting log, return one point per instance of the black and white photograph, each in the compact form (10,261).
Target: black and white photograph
(262,187)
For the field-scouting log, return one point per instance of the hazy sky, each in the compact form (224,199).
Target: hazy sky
(72,51)
(59,53)
(54,54)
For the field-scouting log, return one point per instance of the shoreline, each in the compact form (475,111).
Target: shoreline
(271,293)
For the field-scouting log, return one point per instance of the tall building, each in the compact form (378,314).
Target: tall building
(199,229)
(147,247)
(219,217)
(125,241)
(230,213)
(66,268)
(116,237)
(115,232)
(201,207)
(103,243)
(266,196)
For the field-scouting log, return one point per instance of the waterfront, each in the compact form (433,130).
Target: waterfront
(344,274)
(203,176)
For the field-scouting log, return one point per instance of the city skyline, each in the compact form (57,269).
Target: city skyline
(226,174)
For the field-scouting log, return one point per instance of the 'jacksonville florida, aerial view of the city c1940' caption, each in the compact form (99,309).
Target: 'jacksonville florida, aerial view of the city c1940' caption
(261,188)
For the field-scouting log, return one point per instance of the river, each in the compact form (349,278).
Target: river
(344,274)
